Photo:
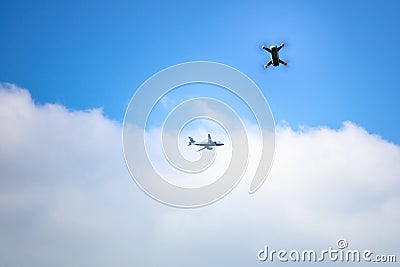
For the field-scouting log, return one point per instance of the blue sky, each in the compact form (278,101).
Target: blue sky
(342,55)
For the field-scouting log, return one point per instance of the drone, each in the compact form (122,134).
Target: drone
(275,60)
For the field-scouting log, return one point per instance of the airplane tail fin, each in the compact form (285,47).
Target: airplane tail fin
(191,141)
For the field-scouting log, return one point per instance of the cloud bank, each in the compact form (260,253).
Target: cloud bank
(67,199)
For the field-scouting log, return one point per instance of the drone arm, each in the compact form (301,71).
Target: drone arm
(279,47)
(283,62)
(266,48)
(268,64)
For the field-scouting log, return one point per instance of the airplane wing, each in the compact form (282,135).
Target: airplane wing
(201,148)
(209,139)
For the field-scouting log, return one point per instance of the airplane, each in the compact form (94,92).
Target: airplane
(209,143)
(273,50)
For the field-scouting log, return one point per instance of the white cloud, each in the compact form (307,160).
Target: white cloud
(66,197)
(166,102)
